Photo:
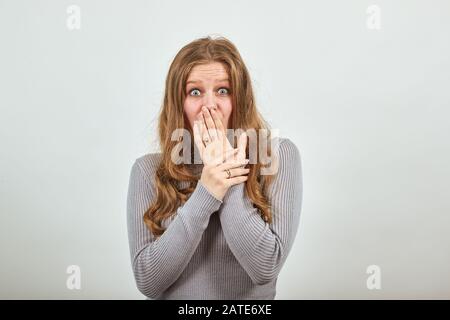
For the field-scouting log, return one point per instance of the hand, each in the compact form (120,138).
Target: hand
(214,122)
(216,179)
(223,165)
(210,131)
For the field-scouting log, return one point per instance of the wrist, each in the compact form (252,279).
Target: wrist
(212,192)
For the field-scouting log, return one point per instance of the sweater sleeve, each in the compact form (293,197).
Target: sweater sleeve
(262,248)
(158,263)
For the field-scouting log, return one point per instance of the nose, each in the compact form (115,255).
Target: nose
(210,101)
(212,106)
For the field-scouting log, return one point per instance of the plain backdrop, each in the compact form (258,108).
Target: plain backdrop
(367,108)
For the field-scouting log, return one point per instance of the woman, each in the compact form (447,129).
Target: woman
(213,230)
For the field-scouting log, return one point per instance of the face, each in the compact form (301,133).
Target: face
(208,85)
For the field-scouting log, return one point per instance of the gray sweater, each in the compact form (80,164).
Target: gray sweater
(214,249)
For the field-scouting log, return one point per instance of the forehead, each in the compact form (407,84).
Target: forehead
(208,72)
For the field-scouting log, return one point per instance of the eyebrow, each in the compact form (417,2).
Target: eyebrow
(196,81)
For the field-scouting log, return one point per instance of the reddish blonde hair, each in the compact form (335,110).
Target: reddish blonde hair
(244,115)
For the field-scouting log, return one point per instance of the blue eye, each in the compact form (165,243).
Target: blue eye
(226,90)
(193,91)
(221,92)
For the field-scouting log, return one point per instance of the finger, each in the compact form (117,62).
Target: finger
(236,172)
(242,144)
(211,127)
(197,137)
(217,121)
(224,157)
(231,165)
(221,133)
(230,155)
(204,133)
(236,180)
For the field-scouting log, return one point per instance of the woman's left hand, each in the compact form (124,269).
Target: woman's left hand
(209,127)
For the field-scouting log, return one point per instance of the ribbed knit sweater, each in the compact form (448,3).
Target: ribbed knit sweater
(214,249)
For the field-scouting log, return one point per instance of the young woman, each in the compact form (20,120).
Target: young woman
(214,229)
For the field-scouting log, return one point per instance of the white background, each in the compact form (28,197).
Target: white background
(368,110)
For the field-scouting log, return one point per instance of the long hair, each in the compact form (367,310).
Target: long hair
(244,115)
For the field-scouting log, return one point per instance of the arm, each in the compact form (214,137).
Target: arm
(158,263)
(262,248)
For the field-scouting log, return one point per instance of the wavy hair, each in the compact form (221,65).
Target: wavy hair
(244,115)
